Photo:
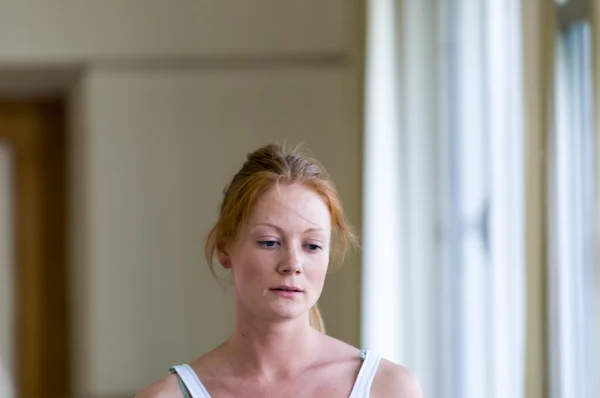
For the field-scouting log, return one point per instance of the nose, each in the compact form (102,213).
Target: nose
(290,265)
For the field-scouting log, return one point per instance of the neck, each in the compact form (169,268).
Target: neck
(271,349)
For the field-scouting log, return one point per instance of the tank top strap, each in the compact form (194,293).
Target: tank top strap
(192,386)
(366,374)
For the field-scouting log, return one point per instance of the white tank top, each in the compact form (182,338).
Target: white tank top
(192,387)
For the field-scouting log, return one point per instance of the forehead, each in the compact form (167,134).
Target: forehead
(291,205)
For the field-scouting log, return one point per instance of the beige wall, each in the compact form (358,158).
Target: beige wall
(538,49)
(167,98)
(124,29)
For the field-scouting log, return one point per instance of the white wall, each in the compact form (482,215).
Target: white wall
(168,97)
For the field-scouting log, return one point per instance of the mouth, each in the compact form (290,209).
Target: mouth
(285,291)
(286,288)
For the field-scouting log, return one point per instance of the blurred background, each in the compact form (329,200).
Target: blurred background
(461,134)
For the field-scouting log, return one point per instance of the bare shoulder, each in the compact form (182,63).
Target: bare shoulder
(339,347)
(393,380)
(167,387)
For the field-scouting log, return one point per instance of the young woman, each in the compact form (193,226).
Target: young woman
(281,219)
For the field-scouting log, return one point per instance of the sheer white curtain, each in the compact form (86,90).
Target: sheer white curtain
(595,18)
(507,197)
(571,288)
(484,220)
(443,277)
(6,274)
(401,278)
(383,278)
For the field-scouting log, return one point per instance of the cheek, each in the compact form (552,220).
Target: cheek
(253,267)
(317,270)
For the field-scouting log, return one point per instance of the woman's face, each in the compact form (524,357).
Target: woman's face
(280,257)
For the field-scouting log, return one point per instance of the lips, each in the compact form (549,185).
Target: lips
(287,291)
(287,288)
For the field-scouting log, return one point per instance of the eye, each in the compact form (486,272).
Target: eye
(268,243)
(312,247)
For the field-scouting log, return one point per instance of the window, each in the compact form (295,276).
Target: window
(443,257)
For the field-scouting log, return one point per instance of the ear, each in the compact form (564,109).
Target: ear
(224,259)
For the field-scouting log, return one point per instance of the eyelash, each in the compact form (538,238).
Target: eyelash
(265,243)
(316,247)
(269,244)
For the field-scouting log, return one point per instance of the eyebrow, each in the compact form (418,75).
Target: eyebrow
(281,230)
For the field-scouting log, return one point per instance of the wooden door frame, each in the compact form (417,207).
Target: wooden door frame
(35,129)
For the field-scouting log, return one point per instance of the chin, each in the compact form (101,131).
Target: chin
(289,313)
